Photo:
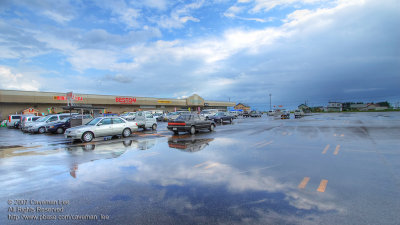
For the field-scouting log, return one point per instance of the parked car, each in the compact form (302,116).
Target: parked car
(12,119)
(40,125)
(158,116)
(101,127)
(246,114)
(207,113)
(128,115)
(190,123)
(173,115)
(59,127)
(235,113)
(255,114)
(298,113)
(145,119)
(285,115)
(26,121)
(220,117)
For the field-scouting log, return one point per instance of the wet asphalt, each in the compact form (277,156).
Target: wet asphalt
(336,168)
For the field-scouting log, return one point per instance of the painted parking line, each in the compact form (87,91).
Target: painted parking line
(336,150)
(322,186)
(326,149)
(304,182)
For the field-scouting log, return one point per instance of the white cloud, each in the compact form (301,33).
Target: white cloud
(17,81)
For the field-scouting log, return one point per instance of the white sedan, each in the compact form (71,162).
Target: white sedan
(101,127)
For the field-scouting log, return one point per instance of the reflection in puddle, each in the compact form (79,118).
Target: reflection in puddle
(84,153)
(189,145)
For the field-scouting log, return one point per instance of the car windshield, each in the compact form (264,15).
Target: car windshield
(64,120)
(220,114)
(94,121)
(183,117)
(42,119)
(124,114)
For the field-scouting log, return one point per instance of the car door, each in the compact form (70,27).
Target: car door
(118,125)
(149,120)
(104,128)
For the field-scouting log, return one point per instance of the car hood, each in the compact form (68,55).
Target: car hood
(82,127)
(38,124)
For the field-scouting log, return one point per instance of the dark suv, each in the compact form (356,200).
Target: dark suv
(190,123)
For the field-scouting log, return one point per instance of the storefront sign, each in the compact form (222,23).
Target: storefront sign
(64,98)
(125,100)
(164,101)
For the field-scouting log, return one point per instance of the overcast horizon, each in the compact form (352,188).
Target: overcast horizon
(297,50)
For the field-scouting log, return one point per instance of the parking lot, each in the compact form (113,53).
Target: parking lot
(333,168)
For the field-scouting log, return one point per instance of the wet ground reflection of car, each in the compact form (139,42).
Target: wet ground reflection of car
(190,144)
(83,153)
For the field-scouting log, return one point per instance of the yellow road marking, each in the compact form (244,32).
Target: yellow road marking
(265,144)
(342,135)
(21,148)
(211,165)
(259,143)
(336,150)
(334,135)
(304,182)
(200,164)
(322,186)
(325,149)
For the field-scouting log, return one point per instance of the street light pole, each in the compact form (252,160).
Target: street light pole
(270,105)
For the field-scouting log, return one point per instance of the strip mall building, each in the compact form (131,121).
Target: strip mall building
(17,102)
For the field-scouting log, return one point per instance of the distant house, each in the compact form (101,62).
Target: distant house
(359,107)
(376,107)
(304,108)
(241,106)
(317,109)
(334,107)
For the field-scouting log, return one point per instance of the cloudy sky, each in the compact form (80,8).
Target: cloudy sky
(242,50)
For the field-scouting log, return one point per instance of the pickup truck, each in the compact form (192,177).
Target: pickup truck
(220,117)
(298,113)
(145,119)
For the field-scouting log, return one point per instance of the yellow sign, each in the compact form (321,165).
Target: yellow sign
(163,101)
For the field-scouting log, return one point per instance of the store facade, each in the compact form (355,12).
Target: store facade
(17,102)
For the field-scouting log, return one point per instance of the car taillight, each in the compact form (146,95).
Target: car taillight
(9,119)
(176,124)
(26,119)
(136,124)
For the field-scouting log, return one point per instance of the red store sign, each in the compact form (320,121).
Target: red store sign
(64,98)
(125,100)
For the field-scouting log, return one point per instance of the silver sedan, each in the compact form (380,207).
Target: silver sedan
(101,127)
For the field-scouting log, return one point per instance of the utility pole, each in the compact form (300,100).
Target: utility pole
(270,105)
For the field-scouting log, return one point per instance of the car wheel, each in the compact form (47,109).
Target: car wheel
(126,132)
(41,130)
(154,127)
(192,130)
(87,136)
(60,130)
(212,127)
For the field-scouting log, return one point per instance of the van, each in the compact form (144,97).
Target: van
(27,120)
(12,119)
(145,119)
